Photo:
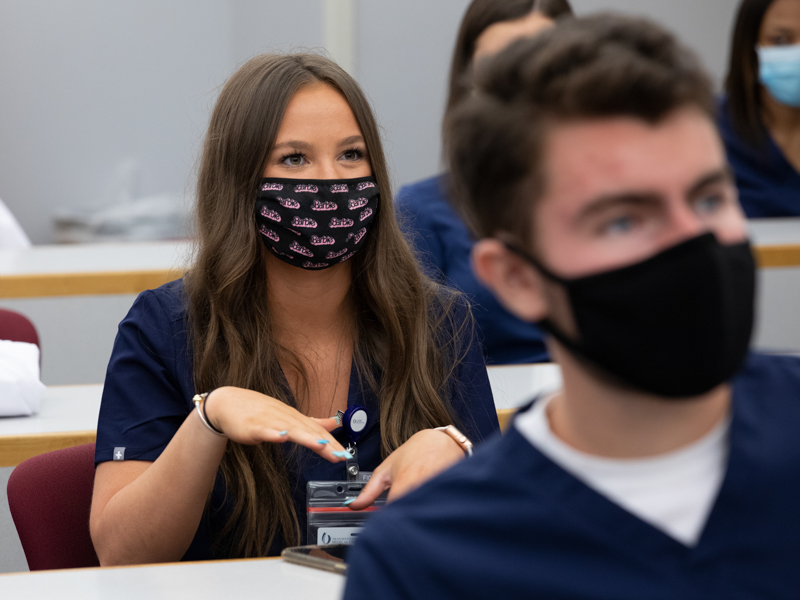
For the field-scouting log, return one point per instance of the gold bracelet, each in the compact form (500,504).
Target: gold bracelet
(458,437)
(200,404)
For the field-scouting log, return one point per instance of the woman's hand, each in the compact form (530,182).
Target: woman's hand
(249,417)
(426,454)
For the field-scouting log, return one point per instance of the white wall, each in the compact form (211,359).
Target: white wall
(404,59)
(705,25)
(86,85)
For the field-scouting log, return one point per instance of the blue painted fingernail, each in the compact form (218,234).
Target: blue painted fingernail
(322,441)
(342,454)
(348,501)
(282,432)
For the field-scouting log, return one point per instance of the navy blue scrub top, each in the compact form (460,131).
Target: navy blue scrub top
(149,388)
(443,245)
(769,186)
(511,523)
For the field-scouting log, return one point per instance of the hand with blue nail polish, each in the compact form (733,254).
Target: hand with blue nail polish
(426,454)
(253,418)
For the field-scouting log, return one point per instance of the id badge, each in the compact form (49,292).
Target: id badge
(329,522)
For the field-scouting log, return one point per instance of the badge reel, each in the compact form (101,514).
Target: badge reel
(354,421)
(329,521)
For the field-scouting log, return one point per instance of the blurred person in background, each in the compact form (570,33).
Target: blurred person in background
(442,240)
(760,113)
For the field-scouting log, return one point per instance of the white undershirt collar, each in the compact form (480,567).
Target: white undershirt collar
(674,492)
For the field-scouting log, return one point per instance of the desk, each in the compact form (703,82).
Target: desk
(776,241)
(69,412)
(90,269)
(263,579)
(68,417)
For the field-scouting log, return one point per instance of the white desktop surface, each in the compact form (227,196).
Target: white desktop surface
(515,385)
(94,258)
(235,580)
(167,255)
(784,231)
(65,408)
(69,408)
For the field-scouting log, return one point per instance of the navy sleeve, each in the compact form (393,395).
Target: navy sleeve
(420,230)
(471,392)
(143,404)
(374,573)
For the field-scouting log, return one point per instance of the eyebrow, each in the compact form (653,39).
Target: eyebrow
(779,28)
(723,175)
(353,139)
(602,203)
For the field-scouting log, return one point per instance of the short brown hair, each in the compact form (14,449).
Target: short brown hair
(585,68)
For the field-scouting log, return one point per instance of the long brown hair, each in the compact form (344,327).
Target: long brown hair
(479,16)
(741,85)
(405,326)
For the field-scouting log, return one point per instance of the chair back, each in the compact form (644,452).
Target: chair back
(50,497)
(17,327)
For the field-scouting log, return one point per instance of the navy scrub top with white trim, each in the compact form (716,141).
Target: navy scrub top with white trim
(148,393)
(511,523)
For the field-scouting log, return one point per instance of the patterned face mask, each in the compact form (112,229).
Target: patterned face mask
(315,223)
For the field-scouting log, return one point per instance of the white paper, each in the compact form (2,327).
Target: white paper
(20,388)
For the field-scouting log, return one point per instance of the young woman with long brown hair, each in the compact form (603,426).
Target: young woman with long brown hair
(303,300)
(760,112)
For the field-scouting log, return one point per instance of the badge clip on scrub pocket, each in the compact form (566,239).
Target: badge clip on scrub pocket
(354,421)
(329,520)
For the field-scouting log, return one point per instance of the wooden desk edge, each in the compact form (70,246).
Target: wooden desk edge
(84,284)
(785,255)
(15,449)
(504,417)
(134,282)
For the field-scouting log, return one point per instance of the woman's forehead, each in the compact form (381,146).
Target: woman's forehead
(316,113)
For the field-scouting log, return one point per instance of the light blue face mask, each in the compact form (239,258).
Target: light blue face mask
(779,72)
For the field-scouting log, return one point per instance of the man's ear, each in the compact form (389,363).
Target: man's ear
(515,283)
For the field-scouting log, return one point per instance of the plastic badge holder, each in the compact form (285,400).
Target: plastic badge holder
(328,521)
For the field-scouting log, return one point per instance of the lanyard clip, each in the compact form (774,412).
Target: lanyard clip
(352,463)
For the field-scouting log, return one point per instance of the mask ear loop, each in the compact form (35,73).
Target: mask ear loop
(545,324)
(516,248)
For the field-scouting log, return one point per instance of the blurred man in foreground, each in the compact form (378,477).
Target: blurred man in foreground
(588,163)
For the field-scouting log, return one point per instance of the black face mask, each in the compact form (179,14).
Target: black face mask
(677,324)
(315,224)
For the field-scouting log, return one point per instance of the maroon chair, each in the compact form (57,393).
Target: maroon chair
(17,327)
(50,497)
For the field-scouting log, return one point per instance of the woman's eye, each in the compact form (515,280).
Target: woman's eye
(780,39)
(293,160)
(353,154)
